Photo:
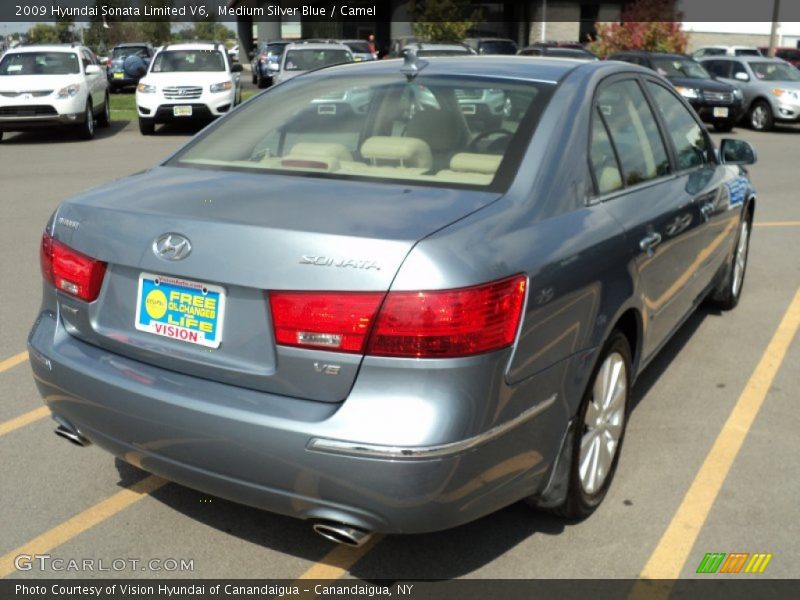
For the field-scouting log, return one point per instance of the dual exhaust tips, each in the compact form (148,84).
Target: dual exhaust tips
(339,533)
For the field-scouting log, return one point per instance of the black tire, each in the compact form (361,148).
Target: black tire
(723,126)
(580,502)
(261,82)
(254,78)
(1,136)
(727,292)
(760,116)
(86,129)
(104,120)
(147,126)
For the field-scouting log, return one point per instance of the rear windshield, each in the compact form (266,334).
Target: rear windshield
(680,67)
(360,47)
(450,131)
(130,51)
(747,52)
(570,53)
(307,59)
(40,63)
(497,47)
(172,61)
(775,71)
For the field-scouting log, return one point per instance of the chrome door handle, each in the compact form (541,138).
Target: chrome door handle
(649,242)
(706,210)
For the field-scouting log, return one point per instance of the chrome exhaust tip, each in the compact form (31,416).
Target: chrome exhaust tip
(71,434)
(343,534)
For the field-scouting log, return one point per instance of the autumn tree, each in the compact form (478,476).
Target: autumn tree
(652,25)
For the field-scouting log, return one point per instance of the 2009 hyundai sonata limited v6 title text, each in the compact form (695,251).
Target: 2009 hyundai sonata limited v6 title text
(369,299)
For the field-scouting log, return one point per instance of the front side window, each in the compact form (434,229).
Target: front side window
(691,144)
(774,71)
(634,131)
(737,68)
(40,63)
(307,59)
(451,131)
(175,61)
(718,68)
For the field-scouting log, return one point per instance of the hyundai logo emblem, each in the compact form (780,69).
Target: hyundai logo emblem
(172,246)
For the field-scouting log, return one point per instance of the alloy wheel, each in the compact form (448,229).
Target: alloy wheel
(740,260)
(603,423)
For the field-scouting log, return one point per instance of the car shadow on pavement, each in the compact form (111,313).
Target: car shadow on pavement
(61,135)
(667,354)
(467,548)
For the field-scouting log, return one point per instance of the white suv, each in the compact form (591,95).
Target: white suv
(187,81)
(300,57)
(43,86)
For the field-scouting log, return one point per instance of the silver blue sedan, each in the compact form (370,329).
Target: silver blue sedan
(388,314)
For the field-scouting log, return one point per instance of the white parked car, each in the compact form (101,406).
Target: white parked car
(45,86)
(722,50)
(185,82)
(301,57)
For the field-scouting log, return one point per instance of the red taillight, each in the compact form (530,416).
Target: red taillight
(327,320)
(70,271)
(449,323)
(431,324)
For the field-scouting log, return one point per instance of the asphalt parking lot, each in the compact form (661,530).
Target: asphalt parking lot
(709,464)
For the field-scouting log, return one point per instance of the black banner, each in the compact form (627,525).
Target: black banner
(710,588)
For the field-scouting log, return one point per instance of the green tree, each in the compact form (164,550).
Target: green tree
(443,20)
(157,32)
(652,25)
(41,33)
(64,30)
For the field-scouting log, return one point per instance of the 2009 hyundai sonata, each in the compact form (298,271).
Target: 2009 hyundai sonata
(359,300)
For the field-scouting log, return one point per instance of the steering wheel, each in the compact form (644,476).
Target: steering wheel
(497,145)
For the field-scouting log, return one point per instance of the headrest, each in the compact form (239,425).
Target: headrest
(321,150)
(476,163)
(409,152)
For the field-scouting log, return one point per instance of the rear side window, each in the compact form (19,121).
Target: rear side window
(634,132)
(691,144)
(605,167)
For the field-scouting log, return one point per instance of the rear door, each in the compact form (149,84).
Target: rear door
(641,189)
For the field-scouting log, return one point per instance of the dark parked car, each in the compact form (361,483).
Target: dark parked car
(715,101)
(266,61)
(555,51)
(127,64)
(396,319)
(492,45)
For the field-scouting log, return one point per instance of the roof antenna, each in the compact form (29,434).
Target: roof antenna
(412,65)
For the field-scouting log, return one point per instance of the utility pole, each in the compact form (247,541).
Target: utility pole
(776,7)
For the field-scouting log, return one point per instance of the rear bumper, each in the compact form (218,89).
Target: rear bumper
(264,450)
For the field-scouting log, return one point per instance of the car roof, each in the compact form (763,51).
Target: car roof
(438,46)
(192,46)
(316,46)
(46,48)
(522,68)
(745,58)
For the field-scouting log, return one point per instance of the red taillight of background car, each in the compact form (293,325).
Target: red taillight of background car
(109,62)
(425,324)
(70,271)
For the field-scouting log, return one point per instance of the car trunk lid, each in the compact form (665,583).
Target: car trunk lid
(248,234)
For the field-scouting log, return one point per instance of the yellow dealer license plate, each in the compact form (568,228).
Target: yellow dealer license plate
(119,75)
(182,111)
(189,311)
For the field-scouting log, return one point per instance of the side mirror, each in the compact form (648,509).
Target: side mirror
(737,152)
(237,68)
(92,69)
(742,76)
